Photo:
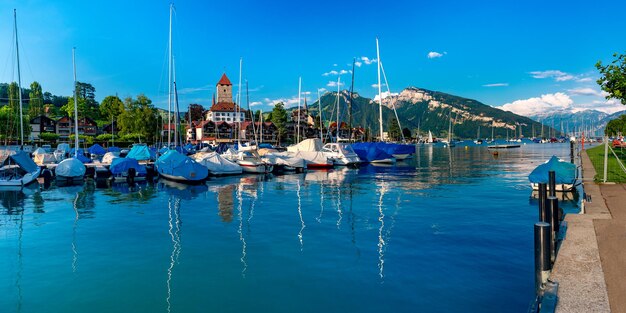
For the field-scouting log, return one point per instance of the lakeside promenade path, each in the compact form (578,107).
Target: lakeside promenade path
(591,264)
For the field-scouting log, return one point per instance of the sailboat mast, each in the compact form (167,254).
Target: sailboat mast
(299,94)
(19,81)
(261,125)
(176,112)
(75,105)
(251,114)
(238,108)
(169,85)
(319,105)
(350,103)
(338,106)
(380,97)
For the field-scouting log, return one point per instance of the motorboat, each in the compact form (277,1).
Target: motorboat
(565,174)
(341,154)
(311,151)
(175,166)
(17,168)
(217,164)
(121,169)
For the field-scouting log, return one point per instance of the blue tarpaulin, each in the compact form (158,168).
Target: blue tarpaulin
(97,149)
(81,157)
(140,153)
(182,167)
(565,172)
(121,165)
(369,151)
(114,149)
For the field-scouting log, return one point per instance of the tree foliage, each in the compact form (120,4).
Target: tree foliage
(111,108)
(35,103)
(613,79)
(279,118)
(196,111)
(48,137)
(616,126)
(139,117)
(394,129)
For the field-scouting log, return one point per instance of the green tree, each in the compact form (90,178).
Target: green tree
(394,129)
(139,117)
(35,105)
(613,79)
(616,126)
(111,107)
(48,136)
(279,118)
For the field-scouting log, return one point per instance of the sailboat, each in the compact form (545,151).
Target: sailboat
(16,167)
(174,165)
(72,170)
(478,141)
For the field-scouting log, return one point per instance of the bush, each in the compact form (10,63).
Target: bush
(133,137)
(84,138)
(105,137)
(48,136)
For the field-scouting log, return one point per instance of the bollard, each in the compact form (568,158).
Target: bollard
(571,151)
(552,183)
(542,256)
(550,217)
(542,201)
(556,213)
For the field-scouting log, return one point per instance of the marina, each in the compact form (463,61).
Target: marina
(368,239)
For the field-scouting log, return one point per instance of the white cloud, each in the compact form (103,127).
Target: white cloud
(358,63)
(585,92)
(333,83)
(584,80)
(434,54)
(343,72)
(255,103)
(306,92)
(289,102)
(554,74)
(192,90)
(333,72)
(497,85)
(376,85)
(537,105)
(335,65)
(385,95)
(367,60)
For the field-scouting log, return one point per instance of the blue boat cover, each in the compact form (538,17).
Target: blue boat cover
(221,148)
(140,153)
(265,146)
(395,148)
(565,172)
(121,165)
(80,151)
(176,164)
(114,149)
(369,151)
(81,157)
(97,150)
(21,158)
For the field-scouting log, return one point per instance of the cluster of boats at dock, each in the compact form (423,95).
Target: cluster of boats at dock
(187,164)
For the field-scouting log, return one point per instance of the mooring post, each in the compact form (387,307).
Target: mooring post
(542,201)
(571,150)
(542,256)
(550,217)
(552,183)
(556,214)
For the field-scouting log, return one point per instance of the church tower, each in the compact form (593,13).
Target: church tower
(224,90)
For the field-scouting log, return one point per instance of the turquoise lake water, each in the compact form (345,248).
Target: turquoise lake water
(449,231)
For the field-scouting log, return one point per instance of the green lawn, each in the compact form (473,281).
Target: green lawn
(614,171)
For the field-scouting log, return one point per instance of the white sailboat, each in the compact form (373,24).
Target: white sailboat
(16,167)
(174,165)
(72,170)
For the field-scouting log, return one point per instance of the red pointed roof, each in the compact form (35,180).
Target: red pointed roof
(224,80)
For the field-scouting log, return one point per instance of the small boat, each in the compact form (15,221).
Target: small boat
(251,162)
(109,156)
(341,154)
(565,174)
(17,168)
(41,157)
(178,167)
(503,146)
(217,164)
(141,152)
(369,152)
(311,151)
(121,168)
(288,161)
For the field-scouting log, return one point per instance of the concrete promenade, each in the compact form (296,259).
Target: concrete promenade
(591,265)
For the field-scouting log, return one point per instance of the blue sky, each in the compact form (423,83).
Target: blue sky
(526,55)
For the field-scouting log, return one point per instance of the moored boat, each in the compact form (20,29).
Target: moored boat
(17,168)
(565,174)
